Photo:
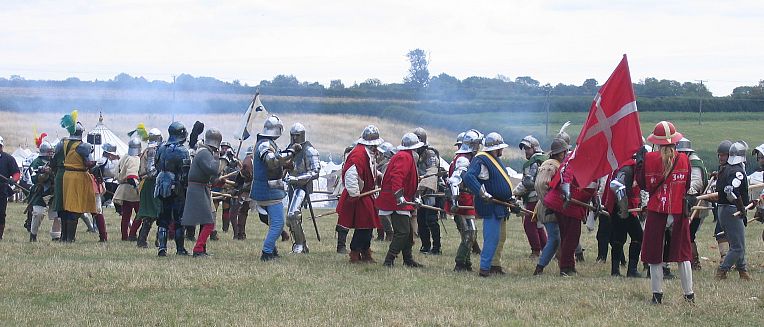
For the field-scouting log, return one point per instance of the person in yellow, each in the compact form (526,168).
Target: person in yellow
(74,193)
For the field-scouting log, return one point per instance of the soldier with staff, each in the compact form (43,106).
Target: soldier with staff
(305,168)
(527,192)
(464,217)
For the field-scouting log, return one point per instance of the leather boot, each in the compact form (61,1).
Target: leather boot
(475,248)
(408,259)
(226,220)
(143,234)
(190,233)
(484,273)
(101,224)
(667,274)
(744,275)
(28,222)
(266,256)
(72,230)
(180,238)
(342,237)
(32,238)
(284,236)
(539,270)
(355,256)
(214,236)
(366,256)
(462,267)
(657,298)
(497,270)
(242,222)
(615,268)
(134,228)
(690,297)
(720,274)
(380,234)
(389,260)
(64,231)
(695,263)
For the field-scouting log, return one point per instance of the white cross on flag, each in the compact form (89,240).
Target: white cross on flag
(611,134)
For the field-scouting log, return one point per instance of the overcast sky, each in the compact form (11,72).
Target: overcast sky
(721,42)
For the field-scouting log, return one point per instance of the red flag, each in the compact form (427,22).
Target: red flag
(611,134)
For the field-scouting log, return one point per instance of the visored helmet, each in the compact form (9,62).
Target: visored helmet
(178,133)
(134,147)
(297,133)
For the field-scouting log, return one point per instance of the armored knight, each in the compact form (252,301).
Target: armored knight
(427,162)
(149,208)
(460,197)
(267,184)
(172,163)
(300,180)
(42,191)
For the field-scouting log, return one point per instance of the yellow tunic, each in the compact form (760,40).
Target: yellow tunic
(79,195)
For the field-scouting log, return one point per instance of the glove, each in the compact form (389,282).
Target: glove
(198,128)
(565,188)
(454,206)
(291,180)
(639,157)
(400,201)
(294,147)
(515,209)
(418,201)
(485,195)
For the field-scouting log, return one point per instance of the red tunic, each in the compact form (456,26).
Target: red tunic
(465,199)
(554,199)
(669,197)
(401,173)
(354,212)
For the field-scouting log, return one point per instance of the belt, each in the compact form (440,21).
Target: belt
(728,205)
(75,169)
(204,184)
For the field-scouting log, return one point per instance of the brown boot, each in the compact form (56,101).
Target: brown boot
(539,270)
(284,236)
(720,274)
(497,270)
(695,263)
(355,256)
(744,275)
(366,256)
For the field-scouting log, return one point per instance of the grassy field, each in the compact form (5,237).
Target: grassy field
(88,283)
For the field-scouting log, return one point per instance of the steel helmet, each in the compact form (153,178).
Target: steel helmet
(493,141)
(410,142)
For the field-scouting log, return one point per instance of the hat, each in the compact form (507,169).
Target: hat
(664,133)
(558,146)
(410,142)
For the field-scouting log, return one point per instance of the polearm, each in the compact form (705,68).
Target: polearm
(590,207)
(14,183)
(359,196)
(695,211)
(241,139)
(313,216)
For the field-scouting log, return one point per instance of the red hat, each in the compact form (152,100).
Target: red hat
(664,133)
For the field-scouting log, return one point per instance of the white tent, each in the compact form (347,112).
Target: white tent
(101,135)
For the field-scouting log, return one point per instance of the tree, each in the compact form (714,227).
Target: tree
(589,86)
(527,81)
(336,85)
(370,83)
(419,75)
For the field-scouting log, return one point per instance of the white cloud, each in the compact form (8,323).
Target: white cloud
(553,41)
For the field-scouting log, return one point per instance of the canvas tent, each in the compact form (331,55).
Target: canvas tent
(101,135)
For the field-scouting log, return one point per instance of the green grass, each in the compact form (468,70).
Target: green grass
(88,283)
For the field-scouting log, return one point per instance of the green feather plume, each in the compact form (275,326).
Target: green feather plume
(69,123)
(141,131)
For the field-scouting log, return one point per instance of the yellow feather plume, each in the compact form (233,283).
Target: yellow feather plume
(75,115)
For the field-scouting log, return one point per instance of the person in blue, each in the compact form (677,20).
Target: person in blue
(173,163)
(488,179)
(268,189)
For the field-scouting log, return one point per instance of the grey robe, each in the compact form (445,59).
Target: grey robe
(204,169)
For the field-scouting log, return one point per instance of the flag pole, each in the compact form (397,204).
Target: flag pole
(241,139)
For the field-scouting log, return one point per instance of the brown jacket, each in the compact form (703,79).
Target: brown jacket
(545,173)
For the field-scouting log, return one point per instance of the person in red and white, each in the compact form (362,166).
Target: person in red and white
(355,208)
(665,175)
(401,174)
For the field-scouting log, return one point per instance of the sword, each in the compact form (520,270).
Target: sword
(313,217)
